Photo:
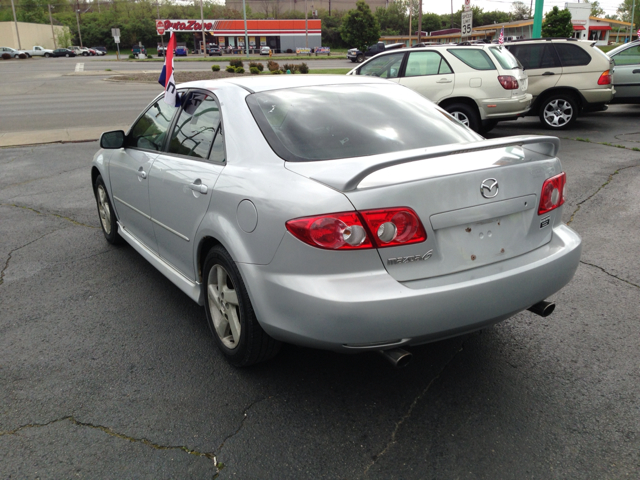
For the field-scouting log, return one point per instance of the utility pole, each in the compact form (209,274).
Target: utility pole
(633,12)
(306,26)
(204,40)
(329,7)
(246,36)
(537,19)
(53,34)
(164,51)
(15,20)
(420,22)
(78,21)
(410,17)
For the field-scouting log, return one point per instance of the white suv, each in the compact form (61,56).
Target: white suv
(477,84)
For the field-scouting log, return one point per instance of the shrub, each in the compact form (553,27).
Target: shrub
(132,56)
(303,68)
(22,56)
(291,67)
(254,71)
(276,72)
(257,65)
(239,70)
(6,56)
(273,66)
(231,69)
(260,67)
(215,68)
(236,63)
(149,56)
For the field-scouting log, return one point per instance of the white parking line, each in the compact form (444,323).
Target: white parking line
(79,67)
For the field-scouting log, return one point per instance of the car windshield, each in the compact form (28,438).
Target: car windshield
(342,121)
(505,58)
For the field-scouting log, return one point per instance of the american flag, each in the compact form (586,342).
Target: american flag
(166,76)
(501,37)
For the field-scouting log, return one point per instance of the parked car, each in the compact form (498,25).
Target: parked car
(356,55)
(101,51)
(214,50)
(63,52)
(265,51)
(137,50)
(38,51)
(84,51)
(626,72)
(567,78)
(479,84)
(393,227)
(161,50)
(181,51)
(13,52)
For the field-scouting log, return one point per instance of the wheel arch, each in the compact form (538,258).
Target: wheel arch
(206,244)
(465,100)
(540,99)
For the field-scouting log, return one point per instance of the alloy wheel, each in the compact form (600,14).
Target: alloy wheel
(461,117)
(223,306)
(104,210)
(558,113)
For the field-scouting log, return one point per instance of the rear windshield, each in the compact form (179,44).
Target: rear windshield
(342,121)
(504,57)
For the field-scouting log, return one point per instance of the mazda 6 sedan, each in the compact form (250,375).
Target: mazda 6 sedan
(336,212)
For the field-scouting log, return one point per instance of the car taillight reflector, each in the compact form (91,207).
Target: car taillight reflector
(508,82)
(359,230)
(552,195)
(605,78)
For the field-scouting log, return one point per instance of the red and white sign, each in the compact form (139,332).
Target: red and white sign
(638,32)
(258,28)
(467,5)
(160,27)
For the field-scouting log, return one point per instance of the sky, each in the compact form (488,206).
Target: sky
(444,6)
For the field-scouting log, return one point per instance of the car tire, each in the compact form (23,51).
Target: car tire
(558,112)
(107,215)
(47,55)
(464,114)
(66,55)
(230,315)
(487,125)
(360,58)
(85,54)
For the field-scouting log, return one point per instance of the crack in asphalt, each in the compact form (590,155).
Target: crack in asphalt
(610,274)
(579,204)
(392,441)
(43,178)
(6,264)
(57,215)
(244,418)
(209,455)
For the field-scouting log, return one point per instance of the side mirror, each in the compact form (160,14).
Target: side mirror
(112,140)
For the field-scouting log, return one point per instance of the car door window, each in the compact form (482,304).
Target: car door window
(426,63)
(476,59)
(385,66)
(150,131)
(196,127)
(630,56)
(217,149)
(536,56)
(572,55)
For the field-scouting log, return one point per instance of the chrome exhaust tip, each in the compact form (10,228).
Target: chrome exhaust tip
(544,309)
(397,356)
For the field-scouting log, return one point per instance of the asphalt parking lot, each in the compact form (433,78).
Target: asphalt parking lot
(109,371)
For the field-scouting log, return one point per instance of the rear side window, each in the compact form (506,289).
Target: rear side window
(196,127)
(476,59)
(572,55)
(426,63)
(536,56)
(630,56)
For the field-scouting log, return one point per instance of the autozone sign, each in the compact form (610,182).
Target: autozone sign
(236,27)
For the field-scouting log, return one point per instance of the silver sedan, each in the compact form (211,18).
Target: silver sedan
(335,212)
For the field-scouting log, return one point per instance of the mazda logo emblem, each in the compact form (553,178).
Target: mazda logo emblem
(489,188)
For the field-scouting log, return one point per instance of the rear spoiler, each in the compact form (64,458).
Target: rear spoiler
(346,174)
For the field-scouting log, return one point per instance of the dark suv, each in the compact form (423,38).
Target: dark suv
(356,55)
(567,77)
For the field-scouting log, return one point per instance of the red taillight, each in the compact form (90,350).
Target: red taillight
(605,78)
(508,82)
(357,230)
(552,195)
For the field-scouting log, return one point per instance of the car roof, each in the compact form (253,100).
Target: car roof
(262,83)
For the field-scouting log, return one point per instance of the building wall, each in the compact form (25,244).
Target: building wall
(30,34)
(298,41)
(272,7)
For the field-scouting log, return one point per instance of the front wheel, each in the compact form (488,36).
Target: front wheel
(465,115)
(108,220)
(558,112)
(47,55)
(360,58)
(230,314)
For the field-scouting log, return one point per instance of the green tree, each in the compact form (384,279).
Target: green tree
(520,10)
(557,23)
(596,9)
(393,20)
(624,12)
(359,27)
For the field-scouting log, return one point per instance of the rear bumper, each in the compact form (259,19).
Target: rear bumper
(596,96)
(505,108)
(371,310)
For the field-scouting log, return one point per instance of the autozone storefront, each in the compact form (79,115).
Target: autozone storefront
(280,35)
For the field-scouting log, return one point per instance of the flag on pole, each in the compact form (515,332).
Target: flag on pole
(501,37)
(166,76)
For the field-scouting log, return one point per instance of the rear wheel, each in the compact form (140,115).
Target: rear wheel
(558,111)
(66,55)
(230,314)
(465,115)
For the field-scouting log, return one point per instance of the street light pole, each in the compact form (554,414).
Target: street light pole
(15,20)
(78,22)
(633,12)
(53,34)
(204,41)
(246,36)
(306,26)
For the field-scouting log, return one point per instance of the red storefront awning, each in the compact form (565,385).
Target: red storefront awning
(599,27)
(578,27)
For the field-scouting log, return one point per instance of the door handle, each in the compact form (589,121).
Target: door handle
(141,173)
(199,187)
(637,70)
(548,73)
(444,80)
